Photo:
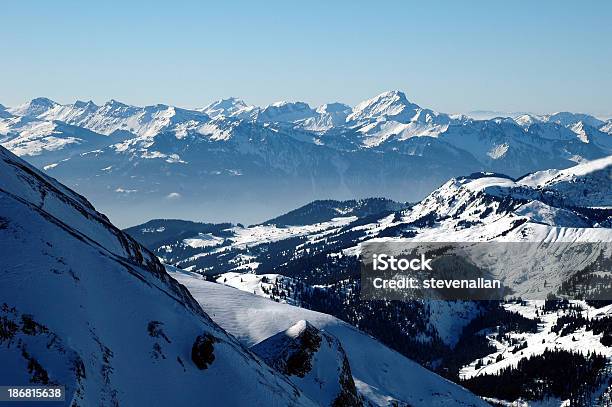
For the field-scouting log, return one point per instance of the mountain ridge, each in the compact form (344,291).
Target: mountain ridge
(157,157)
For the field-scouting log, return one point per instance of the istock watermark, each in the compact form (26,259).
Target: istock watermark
(485,271)
(383,262)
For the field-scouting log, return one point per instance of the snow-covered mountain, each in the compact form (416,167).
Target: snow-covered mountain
(311,261)
(381,376)
(285,112)
(230,107)
(318,119)
(568,119)
(565,119)
(94,311)
(115,116)
(554,205)
(112,117)
(33,108)
(52,138)
(288,152)
(85,306)
(329,115)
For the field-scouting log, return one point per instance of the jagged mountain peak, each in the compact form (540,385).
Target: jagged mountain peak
(79,104)
(393,95)
(42,101)
(286,106)
(34,107)
(228,102)
(325,117)
(320,150)
(115,104)
(387,105)
(227,107)
(388,97)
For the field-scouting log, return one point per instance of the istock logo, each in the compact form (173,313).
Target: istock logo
(383,262)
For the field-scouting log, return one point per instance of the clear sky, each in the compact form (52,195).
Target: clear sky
(453,56)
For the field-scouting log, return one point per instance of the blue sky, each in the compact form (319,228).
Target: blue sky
(453,56)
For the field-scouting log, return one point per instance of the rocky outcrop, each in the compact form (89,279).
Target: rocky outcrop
(314,361)
(202,351)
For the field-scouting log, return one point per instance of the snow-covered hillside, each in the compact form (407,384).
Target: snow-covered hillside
(311,261)
(568,347)
(550,206)
(139,163)
(85,306)
(580,339)
(380,374)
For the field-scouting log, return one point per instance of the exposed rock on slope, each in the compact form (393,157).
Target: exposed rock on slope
(314,360)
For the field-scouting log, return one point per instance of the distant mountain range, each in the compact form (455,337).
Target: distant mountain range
(233,161)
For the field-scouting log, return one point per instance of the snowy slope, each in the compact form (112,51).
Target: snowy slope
(259,284)
(380,374)
(53,139)
(4,113)
(85,306)
(589,184)
(577,328)
(328,116)
(579,340)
